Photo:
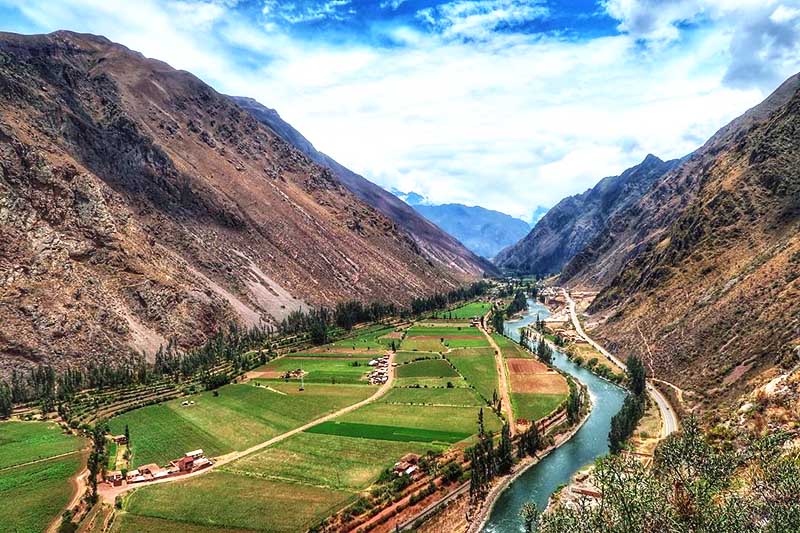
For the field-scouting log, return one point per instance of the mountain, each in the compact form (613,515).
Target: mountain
(701,275)
(482,230)
(576,220)
(441,248)
(138,205)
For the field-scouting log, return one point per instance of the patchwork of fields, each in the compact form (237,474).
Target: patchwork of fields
(32,493)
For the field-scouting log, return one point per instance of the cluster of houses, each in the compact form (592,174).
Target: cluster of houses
(190,462)
(569,335)
(408,465)
(297,373)
(380,371)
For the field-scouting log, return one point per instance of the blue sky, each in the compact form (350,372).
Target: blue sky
(501,103)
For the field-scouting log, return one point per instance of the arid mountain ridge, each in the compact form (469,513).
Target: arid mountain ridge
(700,275)
(137,204)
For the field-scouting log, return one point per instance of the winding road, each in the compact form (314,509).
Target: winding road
(669,420)
(109,493)
(502,379)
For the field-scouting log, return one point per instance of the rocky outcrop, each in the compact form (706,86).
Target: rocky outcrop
(701,276)
(138,205)
(577,220)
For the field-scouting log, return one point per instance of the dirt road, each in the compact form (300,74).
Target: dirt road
(669,420)
(109,493)
(502,380)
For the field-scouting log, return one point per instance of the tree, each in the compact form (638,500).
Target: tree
(573,402)
(127,436)
(480,422)
(97,458)
(637,376)
(624,422)
(529,516)
(6,403)
(498,322)
(505,459)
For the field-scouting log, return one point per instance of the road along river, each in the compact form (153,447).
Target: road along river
(590,442)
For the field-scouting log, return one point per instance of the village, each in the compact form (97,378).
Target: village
(380,372)
(192,461)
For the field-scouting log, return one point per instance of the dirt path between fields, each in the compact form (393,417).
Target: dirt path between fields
(41,460)
(502,381)
(79,483)
(109,493)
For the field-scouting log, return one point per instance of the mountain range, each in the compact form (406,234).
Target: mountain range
(139,205)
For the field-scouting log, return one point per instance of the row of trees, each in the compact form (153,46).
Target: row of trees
(6,401)
(443,300)
(519,303)
(625,421)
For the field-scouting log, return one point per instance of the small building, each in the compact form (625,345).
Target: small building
(120,439)
(114,478)
(193,460)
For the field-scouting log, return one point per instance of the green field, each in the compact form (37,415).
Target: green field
(434,368)
(510,349)
(328,460)
(131,523)
(240,417)
(462,420)
(23,442)
(457,396)
(443,332)
(471,342)
(32,495)
(389,433)
(478,367)
(531,406)
(469,310)
(368,338)
(226,500)
(322,369)
(406,357)
(423,345)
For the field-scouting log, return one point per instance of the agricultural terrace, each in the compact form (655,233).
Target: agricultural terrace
(36,462)
(536,389)
(296,483)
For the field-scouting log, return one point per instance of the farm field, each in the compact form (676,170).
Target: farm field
(402,358)
(461,420)
(251,414)
(231,501)
(318,369)
(131,523)
(372,337)
(510,348)
(470,310)
(435,368)
(532,406)
(23,442)
(456,396)
(397,433)
(32,495)
(478,367)
(333,461)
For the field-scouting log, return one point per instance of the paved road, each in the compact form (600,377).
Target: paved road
(109,493)
(668,417)
(502,380)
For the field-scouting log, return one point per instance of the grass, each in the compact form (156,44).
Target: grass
(510,349)
(422,345)
(322,369)
(406,357)
(476,342)
(469,310)
(369,338)
(531,406)
(435,368)
(223,499)
(131,523)
(442,331)
(478,367)
(333,461)
(31,496)
(336,355)
(240,417)
(23,442)
(389,433)
(457,396)
(427,382)
(449,419)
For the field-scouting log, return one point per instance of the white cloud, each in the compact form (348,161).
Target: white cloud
(465,114)
(477,19)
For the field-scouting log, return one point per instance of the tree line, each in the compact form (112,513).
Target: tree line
(624,423)
(443,300)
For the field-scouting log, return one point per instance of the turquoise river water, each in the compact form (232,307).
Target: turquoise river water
(590,442)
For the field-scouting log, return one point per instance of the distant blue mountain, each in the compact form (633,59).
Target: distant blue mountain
(482,230)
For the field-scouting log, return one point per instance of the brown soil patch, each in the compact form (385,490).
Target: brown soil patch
(549,383)
(393,335)
(526,366)
(264,374)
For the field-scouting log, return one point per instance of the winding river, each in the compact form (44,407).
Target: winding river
(590,442)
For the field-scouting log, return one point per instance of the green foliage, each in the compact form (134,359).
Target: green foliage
(624,422)
(573,402)
(519,303)
(693,487)
(636,375)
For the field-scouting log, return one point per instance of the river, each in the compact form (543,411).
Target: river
(590,442)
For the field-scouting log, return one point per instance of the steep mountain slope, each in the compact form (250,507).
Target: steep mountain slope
(482,230)
(437,245)
(576,220)
(137,204)
(701,277)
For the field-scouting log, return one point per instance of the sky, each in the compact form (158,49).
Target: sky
(500,103)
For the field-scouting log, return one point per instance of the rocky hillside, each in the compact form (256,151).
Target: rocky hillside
(484,231)
(137,204)
(701,276)
(439,246)
(576,220)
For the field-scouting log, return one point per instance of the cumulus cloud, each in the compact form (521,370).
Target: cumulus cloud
(464,108)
